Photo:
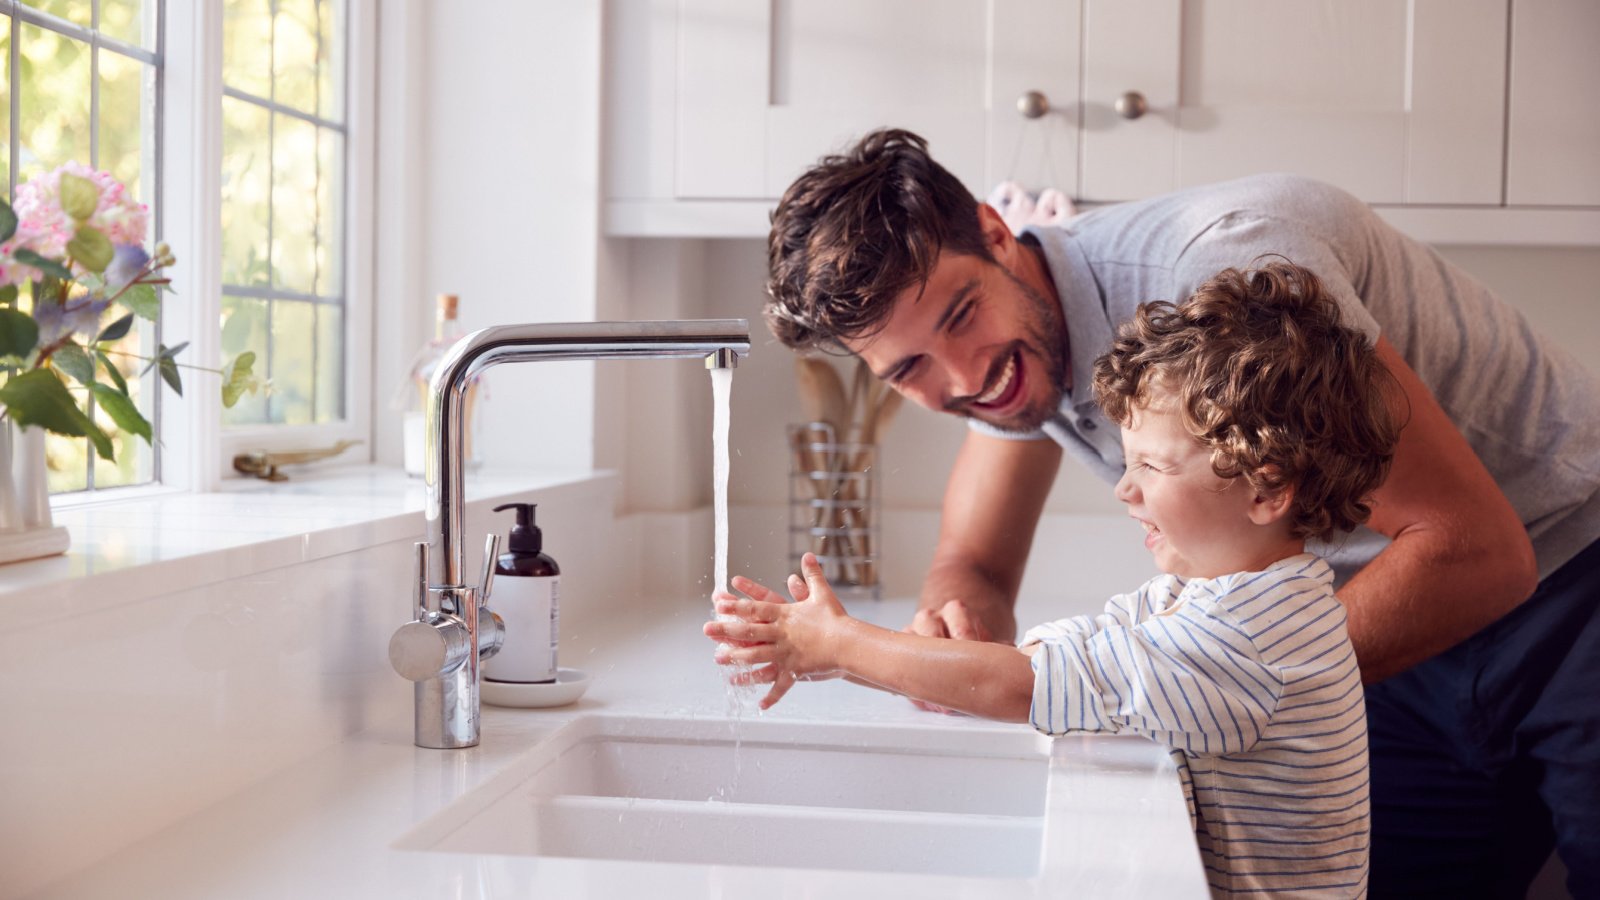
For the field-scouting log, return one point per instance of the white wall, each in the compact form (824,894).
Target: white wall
(490,190)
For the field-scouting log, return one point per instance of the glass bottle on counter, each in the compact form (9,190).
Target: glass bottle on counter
(412,398)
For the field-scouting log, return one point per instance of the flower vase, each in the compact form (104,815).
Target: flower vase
(26,531)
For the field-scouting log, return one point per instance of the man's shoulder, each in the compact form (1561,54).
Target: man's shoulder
(1159,228)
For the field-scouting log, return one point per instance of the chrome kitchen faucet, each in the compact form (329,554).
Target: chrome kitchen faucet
(453,630)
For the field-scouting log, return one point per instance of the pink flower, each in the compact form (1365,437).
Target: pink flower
(39,212)
(11,271)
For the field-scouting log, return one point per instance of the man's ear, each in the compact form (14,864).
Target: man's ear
(997,234)
(1270,508)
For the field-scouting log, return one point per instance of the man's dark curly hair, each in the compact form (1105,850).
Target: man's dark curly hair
(1262,373)
(858,229)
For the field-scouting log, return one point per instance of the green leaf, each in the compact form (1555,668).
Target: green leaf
(48,266)
(143,300)
(8,221)
(8,295)
(91,248)
(169,374)
(19,333)
(37,397)
(79,196)
(117,330)
(113,371)
(71,359)
(237,378)
(122,411)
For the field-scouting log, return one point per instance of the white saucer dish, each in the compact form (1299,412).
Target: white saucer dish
(567,688)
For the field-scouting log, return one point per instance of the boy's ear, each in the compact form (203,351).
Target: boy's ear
(1270,508)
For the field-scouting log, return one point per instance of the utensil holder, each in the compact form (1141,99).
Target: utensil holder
(833,508)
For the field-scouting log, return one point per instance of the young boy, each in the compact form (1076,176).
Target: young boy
(1251,420)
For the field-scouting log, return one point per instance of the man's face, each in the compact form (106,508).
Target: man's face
(977,340)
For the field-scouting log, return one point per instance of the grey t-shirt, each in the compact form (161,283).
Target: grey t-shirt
(1528,408)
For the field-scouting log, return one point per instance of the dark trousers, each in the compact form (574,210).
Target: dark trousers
(1487,756)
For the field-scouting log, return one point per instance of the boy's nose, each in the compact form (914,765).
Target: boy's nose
(1125,490)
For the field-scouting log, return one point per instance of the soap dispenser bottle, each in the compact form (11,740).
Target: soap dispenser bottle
(527,597)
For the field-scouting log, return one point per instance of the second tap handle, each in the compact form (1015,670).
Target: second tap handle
(491,554)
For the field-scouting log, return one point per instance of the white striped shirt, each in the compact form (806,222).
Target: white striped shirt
(1251,680)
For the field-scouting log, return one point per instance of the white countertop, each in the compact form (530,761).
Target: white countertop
(326,827)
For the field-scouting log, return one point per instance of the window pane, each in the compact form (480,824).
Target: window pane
(294,204)
(294,55)
(130,21)
(247,46)
(246,180)
(330,363)
(67,460)
(293,361)
(5,103)
(135,462)
(330,213)
(127,121)
(54,87)
(244,327)
(330,61)
(78,12)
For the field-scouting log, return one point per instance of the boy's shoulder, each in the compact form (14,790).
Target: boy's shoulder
(1259,599)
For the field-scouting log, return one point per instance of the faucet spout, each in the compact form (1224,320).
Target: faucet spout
(447,706)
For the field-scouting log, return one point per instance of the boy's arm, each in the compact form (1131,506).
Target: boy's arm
(994,681)
(814,637)
(1189,679)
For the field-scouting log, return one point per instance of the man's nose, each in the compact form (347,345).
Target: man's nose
(968,378)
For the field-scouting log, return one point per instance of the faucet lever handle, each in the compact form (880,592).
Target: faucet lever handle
(419,580)
(491,555)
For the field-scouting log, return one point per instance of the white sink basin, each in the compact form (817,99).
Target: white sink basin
(943,801)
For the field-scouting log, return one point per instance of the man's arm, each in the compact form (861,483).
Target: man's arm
(1460,556)
(992,504)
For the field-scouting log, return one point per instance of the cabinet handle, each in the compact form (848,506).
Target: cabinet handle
(1132,105)
(1033,104)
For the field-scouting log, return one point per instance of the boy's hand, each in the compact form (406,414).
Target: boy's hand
(790,641)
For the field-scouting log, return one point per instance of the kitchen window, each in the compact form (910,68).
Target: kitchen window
(239,122)
(82,83)
(286,248)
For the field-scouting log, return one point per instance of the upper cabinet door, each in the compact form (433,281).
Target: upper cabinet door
(1554,147)
(1395,101)
(766,88)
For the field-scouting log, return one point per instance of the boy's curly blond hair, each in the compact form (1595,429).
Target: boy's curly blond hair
(1263,374)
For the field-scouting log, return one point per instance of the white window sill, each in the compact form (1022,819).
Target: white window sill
(135,548)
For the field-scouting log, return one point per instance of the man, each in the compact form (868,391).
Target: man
(1484,713)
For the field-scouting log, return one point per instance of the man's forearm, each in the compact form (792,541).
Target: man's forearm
(1427,592)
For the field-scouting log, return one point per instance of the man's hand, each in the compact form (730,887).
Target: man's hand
(952,620)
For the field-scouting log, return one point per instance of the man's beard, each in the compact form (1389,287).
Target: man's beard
(1046,338)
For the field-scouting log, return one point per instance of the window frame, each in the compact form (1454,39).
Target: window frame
(199,448)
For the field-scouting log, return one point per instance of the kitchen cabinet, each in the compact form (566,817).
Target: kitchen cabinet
(713,106)
(1553,145)
(1395,102)
(763,89)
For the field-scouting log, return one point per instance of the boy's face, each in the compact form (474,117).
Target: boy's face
(1197,524)
(976,340)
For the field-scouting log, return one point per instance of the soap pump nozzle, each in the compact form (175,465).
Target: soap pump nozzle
(525,536)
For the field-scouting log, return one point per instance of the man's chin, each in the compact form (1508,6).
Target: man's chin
(1026,422)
